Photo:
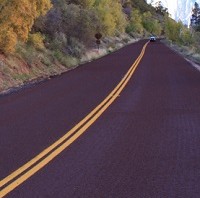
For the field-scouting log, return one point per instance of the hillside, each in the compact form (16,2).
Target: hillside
(51,37)
(178,9)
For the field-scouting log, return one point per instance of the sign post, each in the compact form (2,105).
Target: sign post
(98,36)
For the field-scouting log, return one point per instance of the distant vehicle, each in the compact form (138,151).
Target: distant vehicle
(152,38)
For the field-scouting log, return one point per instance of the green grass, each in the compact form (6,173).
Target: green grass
(21,77)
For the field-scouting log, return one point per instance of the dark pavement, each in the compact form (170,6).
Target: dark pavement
(146,145)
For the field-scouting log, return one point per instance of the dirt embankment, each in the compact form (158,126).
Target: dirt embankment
(16,72)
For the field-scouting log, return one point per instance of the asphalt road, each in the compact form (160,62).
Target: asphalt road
(145,145)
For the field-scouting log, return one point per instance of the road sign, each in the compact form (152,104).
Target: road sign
(98,36)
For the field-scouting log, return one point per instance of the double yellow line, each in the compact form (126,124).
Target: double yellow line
(19,176)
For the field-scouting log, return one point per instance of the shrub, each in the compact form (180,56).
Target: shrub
(64,59)
(27,52)
(186,37)
(58,42)
(37,40)
(16,20)
(75,47)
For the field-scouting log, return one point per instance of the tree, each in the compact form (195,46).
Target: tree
(186,36)
(141,5)
(160,9)
(195,19)
(111,16)
(16,20)
(83,3)
(71,20)
(150,24)
(135,24)
(173,29)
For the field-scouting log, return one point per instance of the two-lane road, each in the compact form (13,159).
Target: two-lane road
(145,143)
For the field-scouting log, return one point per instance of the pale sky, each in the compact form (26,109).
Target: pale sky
(178,9)
(170,4)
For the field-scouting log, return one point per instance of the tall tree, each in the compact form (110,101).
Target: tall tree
(150,24)
(172,29)
(135,23)
(111,16)
(141,5)
(195,19)
(160,9)
(83,3)
(16,20)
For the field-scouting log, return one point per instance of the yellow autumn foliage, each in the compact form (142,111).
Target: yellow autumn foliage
(111,15)
(8,39)
(16,20)
(37,40)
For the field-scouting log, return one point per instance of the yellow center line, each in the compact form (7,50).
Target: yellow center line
(69,133)
(83,125)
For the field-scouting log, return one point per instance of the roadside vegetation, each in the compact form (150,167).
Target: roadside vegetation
(46,37)
(183,39)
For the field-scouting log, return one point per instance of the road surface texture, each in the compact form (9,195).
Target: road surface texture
(145,145)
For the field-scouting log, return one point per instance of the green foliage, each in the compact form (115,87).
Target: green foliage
(141,5)
(58,42)
(71,25)
(76,48)
(21,77)
(151,24)
(178,33)
(64,59)
(135,23)
(160,9)
(83,3)
(37,40)
(27,52)
(111,16)
(186,37)
(172,29)
(196,37)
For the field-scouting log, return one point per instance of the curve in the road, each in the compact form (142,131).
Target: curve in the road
(19,176)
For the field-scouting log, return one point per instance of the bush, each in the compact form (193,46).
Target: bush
(59,42)
(37,40)
(75,47)
(27,52)
(67,61)
(186,37)
(46,60)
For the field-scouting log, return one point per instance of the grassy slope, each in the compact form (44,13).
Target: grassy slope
(31,65)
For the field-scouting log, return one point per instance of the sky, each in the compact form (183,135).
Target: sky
(178,9)
(170,4)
